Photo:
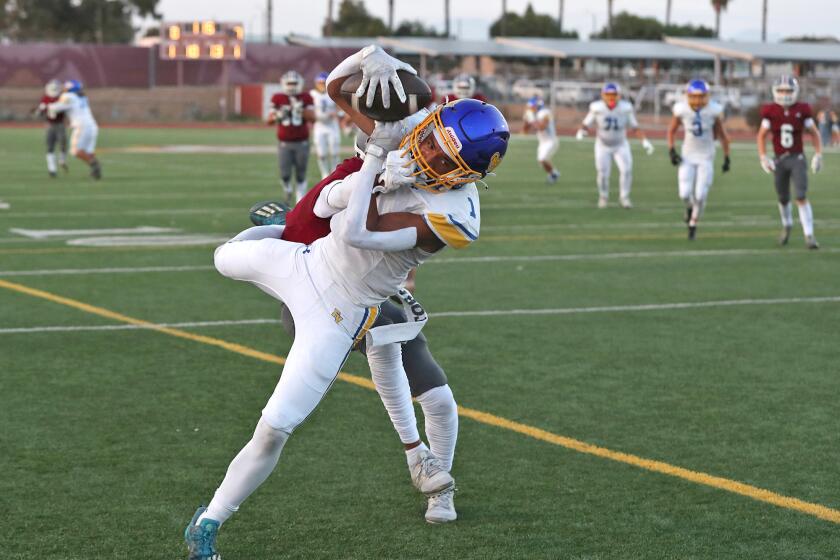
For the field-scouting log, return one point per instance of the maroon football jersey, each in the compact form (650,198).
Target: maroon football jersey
(302,224)
(291,126)
(46,100)
(786,124)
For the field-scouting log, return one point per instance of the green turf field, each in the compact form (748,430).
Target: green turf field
(109,438)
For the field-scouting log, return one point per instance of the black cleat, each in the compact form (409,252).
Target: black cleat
(811,243)
(65,168)
(692,232)
(96,170)
(785,236)
(52,174)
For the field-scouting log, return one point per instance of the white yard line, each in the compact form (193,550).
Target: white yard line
(456,260)
(626,308)
(121,327)
(445,314)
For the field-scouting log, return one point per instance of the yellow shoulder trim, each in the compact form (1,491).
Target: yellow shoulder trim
(447,232)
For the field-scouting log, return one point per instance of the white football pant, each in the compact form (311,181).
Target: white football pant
(326,147)
(695,180)
(546,149)
(83,139)
(623,157)
(326,324)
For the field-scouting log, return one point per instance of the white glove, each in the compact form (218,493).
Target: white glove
(768,165)
(399,172)
(581,134)
(385,138)
(648,147)
(816,163)
(378,67)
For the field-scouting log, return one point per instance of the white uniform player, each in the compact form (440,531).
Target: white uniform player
(333,286)
(702,120)
(74,103)
(611,117)
(538,118)
(327,128)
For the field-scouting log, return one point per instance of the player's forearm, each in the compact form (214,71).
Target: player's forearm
(672,133)
(358,227)
(817,139)
(761,140)
(364,123)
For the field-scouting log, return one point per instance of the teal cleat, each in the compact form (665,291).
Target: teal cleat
(201,538)
(269,213)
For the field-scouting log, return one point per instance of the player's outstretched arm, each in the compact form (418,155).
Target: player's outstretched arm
(363,227)
(767,164)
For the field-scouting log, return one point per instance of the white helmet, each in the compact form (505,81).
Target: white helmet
(53,88)
(785,90)
(463,86)
(292,83)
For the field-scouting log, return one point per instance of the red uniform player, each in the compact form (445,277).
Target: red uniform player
(463,87)
(56,131)
(787,119)
(292,111)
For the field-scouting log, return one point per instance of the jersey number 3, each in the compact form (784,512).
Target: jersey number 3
(697,127)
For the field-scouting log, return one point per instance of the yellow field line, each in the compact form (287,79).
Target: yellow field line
(748,490)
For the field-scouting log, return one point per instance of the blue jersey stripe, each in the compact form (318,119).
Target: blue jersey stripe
(462,227)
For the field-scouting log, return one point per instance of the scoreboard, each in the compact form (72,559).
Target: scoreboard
(202,40)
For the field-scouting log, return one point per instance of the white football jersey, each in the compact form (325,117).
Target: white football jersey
(611,124)
(326,111)
(699,128)
(549,133)
(76,108)
(369,277)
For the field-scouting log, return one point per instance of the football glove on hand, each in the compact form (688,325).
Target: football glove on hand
(676,159)
(816,163)
(399,172)
(385,138)
(380,68)
(648,147)
(727,164)
(768,165)
(581,134)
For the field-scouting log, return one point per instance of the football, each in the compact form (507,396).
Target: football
(417,92)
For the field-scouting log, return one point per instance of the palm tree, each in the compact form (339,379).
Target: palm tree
(609,17)
(668,13)
(719,5)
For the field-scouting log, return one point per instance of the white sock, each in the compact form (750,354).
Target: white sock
(51,166)
(62,158)
(246,472)
(287,187)
(786,213)
(391,383)
(413,455)
(696,211)
(322,166)
(301,189)
(806,217)
(441,414)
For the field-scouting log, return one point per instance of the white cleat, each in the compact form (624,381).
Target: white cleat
(603,202)
(4,205)
(441,508)
(428,474)
(626,203)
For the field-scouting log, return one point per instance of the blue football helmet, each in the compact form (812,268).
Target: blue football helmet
(536,103)
(611,93)
(322,77)
(73,86)
(474,134)
(697,93)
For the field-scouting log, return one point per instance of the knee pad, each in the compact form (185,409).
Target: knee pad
(269,440)
(438,401)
